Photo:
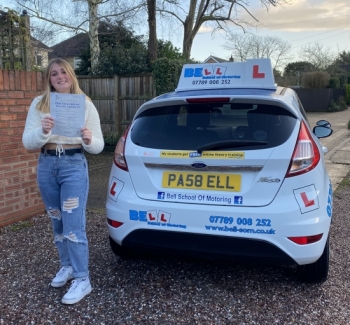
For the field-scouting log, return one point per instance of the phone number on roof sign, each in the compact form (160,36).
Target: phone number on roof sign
(211,82)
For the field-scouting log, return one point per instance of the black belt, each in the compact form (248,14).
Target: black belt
(68,152)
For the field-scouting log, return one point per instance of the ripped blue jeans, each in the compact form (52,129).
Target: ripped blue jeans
(64,184)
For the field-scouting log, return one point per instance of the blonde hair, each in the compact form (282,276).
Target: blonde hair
(44,104)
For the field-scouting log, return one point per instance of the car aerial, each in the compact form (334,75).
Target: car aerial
(225,167)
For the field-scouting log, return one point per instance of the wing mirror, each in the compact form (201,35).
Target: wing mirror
(322,131)
(323,123)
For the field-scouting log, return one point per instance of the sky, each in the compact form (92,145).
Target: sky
(302,22)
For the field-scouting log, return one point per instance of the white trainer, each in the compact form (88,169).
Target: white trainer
(77,291)
(62,277)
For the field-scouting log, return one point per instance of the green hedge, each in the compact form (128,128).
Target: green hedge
(334,82)
(166,74)
(347,89)
(336,106)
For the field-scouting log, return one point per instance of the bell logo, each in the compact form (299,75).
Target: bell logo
(150,216)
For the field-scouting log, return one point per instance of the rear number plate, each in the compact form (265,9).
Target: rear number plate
(202,181)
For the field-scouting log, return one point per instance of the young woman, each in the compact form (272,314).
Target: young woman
(62,177)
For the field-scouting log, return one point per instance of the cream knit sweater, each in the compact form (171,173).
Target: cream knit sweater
(34,138)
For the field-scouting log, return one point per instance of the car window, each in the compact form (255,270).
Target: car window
(187,127)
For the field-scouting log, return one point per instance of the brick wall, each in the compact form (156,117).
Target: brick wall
(19,194)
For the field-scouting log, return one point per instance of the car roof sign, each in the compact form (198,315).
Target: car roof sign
(254,73)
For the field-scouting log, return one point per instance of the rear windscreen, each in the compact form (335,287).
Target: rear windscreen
(191,126)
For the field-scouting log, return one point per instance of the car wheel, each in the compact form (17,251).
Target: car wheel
(316,272)
(120,251)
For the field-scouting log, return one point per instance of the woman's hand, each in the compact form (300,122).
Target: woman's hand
(86,135)
(47,123)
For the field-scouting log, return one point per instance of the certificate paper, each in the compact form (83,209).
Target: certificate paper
(68,110)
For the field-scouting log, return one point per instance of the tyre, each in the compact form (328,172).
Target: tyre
(121,251)
(316,272)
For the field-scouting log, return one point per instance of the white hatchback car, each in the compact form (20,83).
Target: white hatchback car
(224,167)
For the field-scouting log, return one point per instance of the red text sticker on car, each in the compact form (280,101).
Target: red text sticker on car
(164,216)
(152,215)
(114,189)
(160,216)
(307,198)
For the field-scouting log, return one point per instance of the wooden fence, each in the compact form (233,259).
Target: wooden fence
(318,100)
(117,98)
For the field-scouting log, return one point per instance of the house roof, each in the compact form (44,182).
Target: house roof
(215,58)
(71,47)
(38,44)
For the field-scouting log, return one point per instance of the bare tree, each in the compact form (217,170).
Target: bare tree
(81,16)
(217,13)
(152,26)
(240,45)
(248,46)
(315,79)
(318,55)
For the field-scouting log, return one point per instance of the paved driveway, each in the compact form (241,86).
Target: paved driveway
(338,144)
(339,122)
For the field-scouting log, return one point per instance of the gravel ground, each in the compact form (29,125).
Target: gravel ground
(101,160)
(167,290)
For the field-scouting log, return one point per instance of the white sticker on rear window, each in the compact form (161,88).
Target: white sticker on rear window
(204,154)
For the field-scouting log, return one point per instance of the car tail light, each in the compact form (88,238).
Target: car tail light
(114,223)
(304,240)
(119,152)
(207,100)
(306,154)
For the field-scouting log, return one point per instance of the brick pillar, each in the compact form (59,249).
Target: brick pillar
(19,194)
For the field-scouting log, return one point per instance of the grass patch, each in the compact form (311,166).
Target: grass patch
(21,225)
(345,183)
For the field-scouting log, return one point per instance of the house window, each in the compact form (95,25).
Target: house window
(77,61)
(39,60)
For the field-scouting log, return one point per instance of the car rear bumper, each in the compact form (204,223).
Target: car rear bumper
(206,246)
(187,229)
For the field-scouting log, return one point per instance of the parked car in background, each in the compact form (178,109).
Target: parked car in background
(226,166)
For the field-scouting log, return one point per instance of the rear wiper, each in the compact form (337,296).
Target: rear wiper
(228,144)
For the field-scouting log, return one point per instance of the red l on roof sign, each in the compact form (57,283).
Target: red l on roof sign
(256,73)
